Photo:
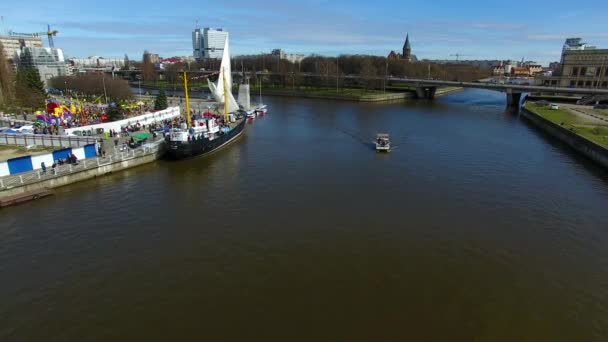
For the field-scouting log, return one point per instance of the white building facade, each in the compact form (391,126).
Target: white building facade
(208,43)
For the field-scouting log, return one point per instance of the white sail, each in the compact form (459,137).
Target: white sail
(244,99)
(217,89)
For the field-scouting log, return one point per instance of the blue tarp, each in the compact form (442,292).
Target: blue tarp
(61,154)
(21,164)
(89,151)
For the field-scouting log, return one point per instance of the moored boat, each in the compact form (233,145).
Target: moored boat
(204,134)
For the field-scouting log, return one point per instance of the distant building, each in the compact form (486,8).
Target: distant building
(197,44)
(49,62)
(96,63)
(498,70)
(14,42)
(520,71)
(534,69)
(292,57)
(406,52)
(154,58)
(581,66)
(208,43)
(554,66)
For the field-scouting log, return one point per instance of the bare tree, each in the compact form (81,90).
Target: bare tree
(93,84)
(368,73)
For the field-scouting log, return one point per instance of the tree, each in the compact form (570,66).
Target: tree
(7,89)
(127,63)
(91,84)
(147,68)
(160,102)
(115,112)
(368,73)
(29,88)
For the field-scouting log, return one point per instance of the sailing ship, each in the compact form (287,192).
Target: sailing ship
(261,108)
(205,134)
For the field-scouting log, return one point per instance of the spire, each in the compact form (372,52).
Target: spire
(407,42)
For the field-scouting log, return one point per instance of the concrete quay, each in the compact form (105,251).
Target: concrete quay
(28,182)
(585,147)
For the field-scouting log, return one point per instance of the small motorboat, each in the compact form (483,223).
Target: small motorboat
(383,143)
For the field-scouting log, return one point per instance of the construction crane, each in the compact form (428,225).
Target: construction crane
(49,33)
(458,55)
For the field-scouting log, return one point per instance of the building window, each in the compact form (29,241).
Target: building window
(605,85)
(588,84)
(598,72)
(572,83)
(580,83)
(583,71)
(574,71)
(554,82)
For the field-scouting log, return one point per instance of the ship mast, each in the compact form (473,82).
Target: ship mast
(187,100)
(225,98)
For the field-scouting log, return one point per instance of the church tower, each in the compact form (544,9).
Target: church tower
(407,49)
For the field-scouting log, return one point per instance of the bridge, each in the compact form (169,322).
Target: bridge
(426,88)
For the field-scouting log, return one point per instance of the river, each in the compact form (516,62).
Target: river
(475,227)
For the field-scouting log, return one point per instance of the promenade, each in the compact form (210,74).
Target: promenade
(114,160)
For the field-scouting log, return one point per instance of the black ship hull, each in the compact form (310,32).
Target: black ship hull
(183,150)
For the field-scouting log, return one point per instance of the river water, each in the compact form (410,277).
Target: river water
(476,227)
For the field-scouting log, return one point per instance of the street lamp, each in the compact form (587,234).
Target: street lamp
(105,95)
(337,73)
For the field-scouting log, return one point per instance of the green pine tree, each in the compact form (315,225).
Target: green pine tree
(160,102)
(29,88)
(114,112)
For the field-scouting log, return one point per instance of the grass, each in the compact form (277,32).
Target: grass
(590,131)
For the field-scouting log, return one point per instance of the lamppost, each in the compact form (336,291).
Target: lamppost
(385,75)
(103,80)
(337,73)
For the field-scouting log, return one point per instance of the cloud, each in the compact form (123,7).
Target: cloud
(563,36)
(498,26)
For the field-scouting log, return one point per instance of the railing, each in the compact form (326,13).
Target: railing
(24,178)
(45,140)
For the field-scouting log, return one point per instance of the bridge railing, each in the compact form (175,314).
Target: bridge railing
(44,140)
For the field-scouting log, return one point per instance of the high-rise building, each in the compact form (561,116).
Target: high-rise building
(208,43)
(49,62)
(197,43)
(14,42)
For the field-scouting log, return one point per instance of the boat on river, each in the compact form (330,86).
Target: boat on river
(205,134)
(383,142)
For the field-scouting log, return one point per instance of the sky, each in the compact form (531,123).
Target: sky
(438,29)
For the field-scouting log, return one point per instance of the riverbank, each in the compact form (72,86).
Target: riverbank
(587,136)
